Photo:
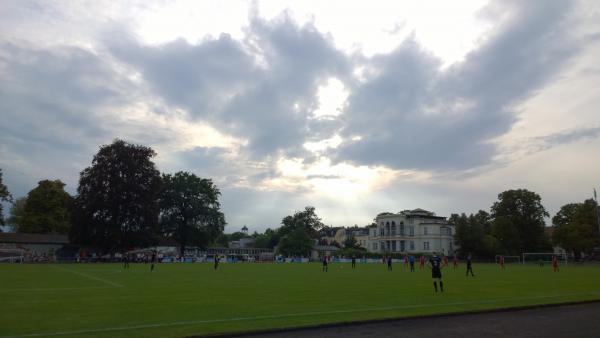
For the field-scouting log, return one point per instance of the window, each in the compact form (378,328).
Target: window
(375,246)
(394,246)
(425,231)
(426,245)
(401,229)
(381,233)
(402,246)
(393,229)
(412,245)
(411,230)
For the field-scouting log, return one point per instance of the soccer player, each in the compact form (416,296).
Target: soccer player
(216,261)
(469,265)
(421,262)
(455,261)
(353,261)
(153,260)
(325,263)
(501,261)
(445,260)
(436,271)
(389,263)
(411,260)
(125,261)
(554,264)
(405,261)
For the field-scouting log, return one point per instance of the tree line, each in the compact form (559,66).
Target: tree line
(122,202)
(515,224)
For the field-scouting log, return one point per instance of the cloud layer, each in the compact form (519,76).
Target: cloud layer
(240,109)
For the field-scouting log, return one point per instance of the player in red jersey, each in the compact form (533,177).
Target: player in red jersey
(455,261)
(421,262)
(554,264)
(445,261)
(501,261)
(406,261)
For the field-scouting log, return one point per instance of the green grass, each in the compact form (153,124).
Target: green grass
(102,300)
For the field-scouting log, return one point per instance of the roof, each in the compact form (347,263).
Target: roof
(14,237)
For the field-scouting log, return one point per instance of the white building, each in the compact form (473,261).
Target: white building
(411,231)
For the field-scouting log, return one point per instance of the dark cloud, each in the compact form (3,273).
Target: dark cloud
(542,143)
(59,103)
(262,89)
(413,115)
(51,103)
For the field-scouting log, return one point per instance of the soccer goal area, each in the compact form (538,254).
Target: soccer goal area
(508,259)
(11,255)
(543,257)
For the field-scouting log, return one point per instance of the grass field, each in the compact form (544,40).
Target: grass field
(102,300)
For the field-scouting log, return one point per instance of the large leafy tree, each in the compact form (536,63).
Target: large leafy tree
(576,227)
(46,210)
(351,243)
(296,243)
(306,219)
(17,210)
(518,221)
(470,232)
(116,206)
(4,197)
(298,232)
(190,209)
(267,240)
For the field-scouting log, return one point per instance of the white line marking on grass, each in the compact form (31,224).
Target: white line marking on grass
(300,314)
(56,289)
(105,281)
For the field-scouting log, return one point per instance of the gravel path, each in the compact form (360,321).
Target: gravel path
(581,320)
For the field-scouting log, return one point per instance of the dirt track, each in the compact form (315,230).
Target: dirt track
(582,320)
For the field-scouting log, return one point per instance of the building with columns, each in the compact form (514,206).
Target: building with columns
(411,231)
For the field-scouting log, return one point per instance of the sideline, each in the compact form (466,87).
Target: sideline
(56,289)
(300,314)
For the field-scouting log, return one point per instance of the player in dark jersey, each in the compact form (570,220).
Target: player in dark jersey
(325,263)
(469,265)
(153,260)
(353,262)
(216,261)
(389,263)
(435,264)
(125,261)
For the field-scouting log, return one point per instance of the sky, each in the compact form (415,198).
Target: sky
(355,108)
